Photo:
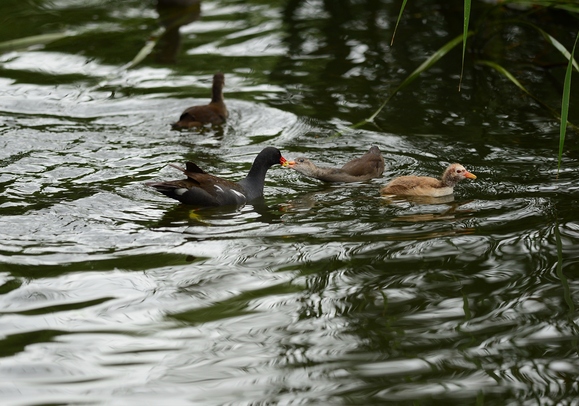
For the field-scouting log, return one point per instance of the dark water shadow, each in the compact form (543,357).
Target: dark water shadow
(450,208)
(182,214)
(173,14)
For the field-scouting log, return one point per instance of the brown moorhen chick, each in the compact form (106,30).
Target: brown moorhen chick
(427,186)
(368,166)
(202,189)
(213,113)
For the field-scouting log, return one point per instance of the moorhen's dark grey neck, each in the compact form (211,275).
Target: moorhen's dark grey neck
(217,90)
(252,184)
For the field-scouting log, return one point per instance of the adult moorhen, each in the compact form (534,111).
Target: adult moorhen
(427,186)
(213,113)
(368,166)
(204,190)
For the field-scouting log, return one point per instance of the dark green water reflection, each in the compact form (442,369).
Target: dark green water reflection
(326,294)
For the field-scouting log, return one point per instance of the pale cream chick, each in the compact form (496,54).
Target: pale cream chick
(427,186)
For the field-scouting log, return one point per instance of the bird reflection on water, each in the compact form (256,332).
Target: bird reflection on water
(450,213)
(173,14)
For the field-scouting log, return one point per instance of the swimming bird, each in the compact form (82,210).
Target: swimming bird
(213,113)
(205,190)
(368,166)
(427,186)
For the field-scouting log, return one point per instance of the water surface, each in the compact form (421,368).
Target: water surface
(324,294)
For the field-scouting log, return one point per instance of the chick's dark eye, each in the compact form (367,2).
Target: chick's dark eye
(458,170)
(301,160)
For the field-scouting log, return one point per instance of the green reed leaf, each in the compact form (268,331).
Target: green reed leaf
(429,62)
(565,104)
(464,38)
(398,21)
(556,44)
(509,76)
(505,73)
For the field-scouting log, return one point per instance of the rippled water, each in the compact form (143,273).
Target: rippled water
(326,294)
